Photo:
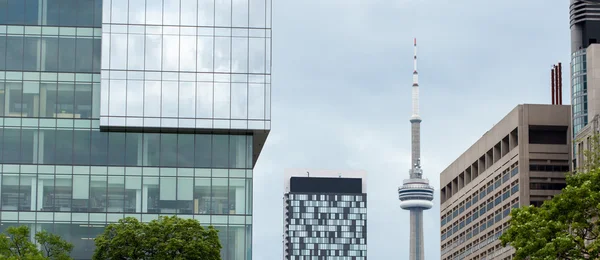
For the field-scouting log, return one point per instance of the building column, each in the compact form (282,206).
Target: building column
(40,194)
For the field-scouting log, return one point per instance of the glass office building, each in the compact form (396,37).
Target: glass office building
(139,108)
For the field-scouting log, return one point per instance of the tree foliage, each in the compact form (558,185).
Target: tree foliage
(165,238)
(16,245)
(565,227)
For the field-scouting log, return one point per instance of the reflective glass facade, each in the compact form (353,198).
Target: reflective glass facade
(139,108)
(579,89)
(186,63)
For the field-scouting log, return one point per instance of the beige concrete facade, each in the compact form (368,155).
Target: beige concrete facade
(520,161)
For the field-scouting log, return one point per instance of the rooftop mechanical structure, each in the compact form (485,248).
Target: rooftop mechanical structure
(416,194)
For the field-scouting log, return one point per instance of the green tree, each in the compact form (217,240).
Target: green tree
(165,238)
(16,245)
(567,226)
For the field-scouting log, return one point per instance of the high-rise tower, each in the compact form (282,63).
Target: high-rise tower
(416,194)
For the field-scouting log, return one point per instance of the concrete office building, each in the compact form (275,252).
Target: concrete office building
(133,108)
(325,215)
(520,161)
(585,57)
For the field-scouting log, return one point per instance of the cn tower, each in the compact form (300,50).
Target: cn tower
(415,194)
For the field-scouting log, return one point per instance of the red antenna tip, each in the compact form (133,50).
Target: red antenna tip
(415,41)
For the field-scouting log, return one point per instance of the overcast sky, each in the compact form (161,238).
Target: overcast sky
(342,72)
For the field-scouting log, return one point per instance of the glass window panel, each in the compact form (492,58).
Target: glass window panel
(31,56)
(31,95)
(137,14)
(14,53)
(153,52)
(237,195)
(98,193)
(15,13)
(220,157)
(240,13)
(133,194)
(63,192)
(135,99)
(51,17)
(116,148)
(204,100)
(185,150)
(81,147)
(171,13)
(65,146)
(167,189)
(189,12)
(222,54)
(256,101)
(169,99)
(99,148)
(2,91)
(185,195)
(151,156)
(187,53)
(222,99)
(152,96)
(46,190)
(10,192)
(118,51)
(223,13)
(206,12)
(239,59)
(239,100)
(83,101)
(11,145)
(202,196)
(168,150)
(205,53)
(119,11)
(135,52)
(150,195)
(116,194)
(48,99)
(48,139)
(171,54)
(203,151)
(257,55)
(237,151)
(81,193)
(65,99)
(118,98)
(31,12)
(96,55)
(133,149)
(187,100)
(50,55)
(66,54)
(68,12)
(220,200)
(26,203)
(84,52)
(4,9)
(257,13)
(85,13)
(2,48)
(28,145)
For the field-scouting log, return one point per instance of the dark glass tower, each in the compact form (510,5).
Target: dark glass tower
(325,216)
(138,108)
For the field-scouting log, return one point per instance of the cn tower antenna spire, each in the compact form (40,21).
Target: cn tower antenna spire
(415,88)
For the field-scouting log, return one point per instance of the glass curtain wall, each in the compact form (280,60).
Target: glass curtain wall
(67,65)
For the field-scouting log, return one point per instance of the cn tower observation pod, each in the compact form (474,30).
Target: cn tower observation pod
(416,194)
